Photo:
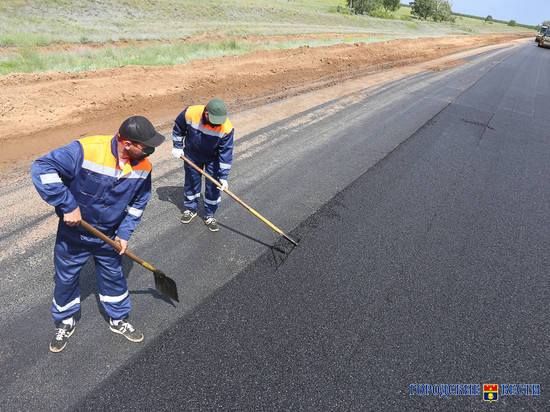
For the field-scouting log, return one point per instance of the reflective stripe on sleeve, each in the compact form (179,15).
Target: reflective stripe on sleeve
(50,178)
(135,212)
(113,299)
(225,166)
(177,138)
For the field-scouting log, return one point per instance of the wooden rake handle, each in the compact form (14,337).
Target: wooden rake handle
(239,201)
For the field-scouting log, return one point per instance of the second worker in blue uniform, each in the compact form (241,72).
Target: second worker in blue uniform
(204,135)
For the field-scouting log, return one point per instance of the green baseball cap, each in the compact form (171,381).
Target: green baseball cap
(217,112)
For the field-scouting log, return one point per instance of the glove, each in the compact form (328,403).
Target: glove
(224,185)
(177,152)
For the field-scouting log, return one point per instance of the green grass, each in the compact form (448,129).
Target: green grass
(28,60)
(31,22)
(27,24)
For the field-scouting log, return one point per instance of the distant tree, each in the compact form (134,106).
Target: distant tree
(489,18)
(423,8)
(391,5)
(512,23)
(546,23)
(364,6)
(442,11)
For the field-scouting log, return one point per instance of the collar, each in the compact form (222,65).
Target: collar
(114,151)
(210,125)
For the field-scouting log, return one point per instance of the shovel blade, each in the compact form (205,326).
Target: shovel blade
(165,285)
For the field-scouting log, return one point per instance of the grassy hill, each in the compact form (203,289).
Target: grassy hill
(27,24)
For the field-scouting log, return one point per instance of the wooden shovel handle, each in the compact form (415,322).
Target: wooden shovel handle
(115,245)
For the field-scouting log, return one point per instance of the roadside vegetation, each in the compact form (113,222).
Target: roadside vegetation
(34,33)
(29,60)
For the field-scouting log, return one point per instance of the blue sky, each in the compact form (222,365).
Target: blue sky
(523,11)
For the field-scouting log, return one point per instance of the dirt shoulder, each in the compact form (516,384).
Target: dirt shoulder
(42,111)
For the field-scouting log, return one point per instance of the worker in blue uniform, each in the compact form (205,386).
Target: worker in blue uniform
(105,180)
(208,137)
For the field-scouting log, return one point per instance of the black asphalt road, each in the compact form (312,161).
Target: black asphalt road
(422,209)
(430,268)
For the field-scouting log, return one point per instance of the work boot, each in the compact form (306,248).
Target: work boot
(124,328)
(62,334)
(188,215)
(211,224)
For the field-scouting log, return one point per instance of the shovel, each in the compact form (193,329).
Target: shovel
(163,284)
(239,201)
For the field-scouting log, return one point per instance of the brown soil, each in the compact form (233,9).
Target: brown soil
(42,111)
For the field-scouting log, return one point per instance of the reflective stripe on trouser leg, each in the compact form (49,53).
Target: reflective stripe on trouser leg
(69,258)
(212,195)
(192,187)
(113,291)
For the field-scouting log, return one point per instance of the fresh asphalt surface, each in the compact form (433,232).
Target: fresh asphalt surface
(429,268)
(422,209)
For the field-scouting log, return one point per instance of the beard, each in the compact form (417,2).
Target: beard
(145,152)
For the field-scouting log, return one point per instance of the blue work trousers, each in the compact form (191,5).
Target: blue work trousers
(193,182)
(72,250)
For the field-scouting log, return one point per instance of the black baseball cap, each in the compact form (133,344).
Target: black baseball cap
(139,129)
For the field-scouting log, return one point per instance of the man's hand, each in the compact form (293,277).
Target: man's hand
(224,185)
(122,243)
(177,152)
(73,218)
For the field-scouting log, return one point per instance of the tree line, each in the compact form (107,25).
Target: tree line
(437,10)
(490,19)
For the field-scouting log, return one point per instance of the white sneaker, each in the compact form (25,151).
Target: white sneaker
(210,222)
(188,215)
(124,328)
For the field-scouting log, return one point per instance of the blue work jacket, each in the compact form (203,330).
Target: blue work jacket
(87,173)
(204,142)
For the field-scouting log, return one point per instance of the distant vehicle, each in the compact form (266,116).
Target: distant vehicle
(544,40)
(541,33)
